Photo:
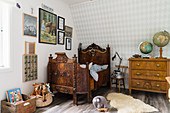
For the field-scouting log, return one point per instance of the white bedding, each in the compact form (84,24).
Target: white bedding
(94,69)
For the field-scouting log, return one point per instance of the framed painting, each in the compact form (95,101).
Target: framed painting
(68,31)
(29,48)
(61,23)
(29,25)
(47,27)
(61,37)
(68,43)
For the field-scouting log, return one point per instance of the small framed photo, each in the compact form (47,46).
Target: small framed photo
(61,23)
(68,43)
(61,37)
(68,31)
(29,25)
(29,48)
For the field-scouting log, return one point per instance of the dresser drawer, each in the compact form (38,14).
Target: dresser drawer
(149,75)
(149,65)
(150,85)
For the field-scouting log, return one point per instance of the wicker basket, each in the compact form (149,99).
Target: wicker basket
(41,103)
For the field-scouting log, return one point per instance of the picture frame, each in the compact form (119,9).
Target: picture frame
(61,36)
(29,25)
(29,48)
(68,44)
(47,27)
(68,31)
(61,23)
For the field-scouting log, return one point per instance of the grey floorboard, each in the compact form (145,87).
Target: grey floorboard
(64,101)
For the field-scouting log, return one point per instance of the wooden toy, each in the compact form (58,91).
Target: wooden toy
(43,96)
(44,92)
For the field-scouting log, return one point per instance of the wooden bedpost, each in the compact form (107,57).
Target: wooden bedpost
(74,80)
(108,50)
(49,67)
(88,83)
(79,50)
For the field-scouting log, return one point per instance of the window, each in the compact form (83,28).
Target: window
(4,36)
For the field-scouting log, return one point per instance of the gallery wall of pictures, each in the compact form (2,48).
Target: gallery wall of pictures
(52,30)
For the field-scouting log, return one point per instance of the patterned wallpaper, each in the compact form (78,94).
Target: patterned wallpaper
(122,24)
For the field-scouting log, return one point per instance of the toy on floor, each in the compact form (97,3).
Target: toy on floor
(48,87)
(43,94)
(100,103)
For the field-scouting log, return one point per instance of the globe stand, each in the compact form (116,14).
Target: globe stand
(161,54)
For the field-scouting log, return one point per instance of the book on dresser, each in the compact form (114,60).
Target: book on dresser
(149,74)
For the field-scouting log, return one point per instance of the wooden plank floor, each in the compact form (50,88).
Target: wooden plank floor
(62,103)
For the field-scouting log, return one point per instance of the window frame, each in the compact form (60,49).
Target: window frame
(5,24)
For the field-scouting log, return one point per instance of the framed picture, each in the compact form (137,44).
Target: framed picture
(47,27)
(61,37)
(61,23)
(29,48)
(68,43)
(29,25)
(68,31)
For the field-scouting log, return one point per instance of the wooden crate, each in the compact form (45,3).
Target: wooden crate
(28,106)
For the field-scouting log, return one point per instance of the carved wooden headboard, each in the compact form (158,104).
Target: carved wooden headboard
(94,53)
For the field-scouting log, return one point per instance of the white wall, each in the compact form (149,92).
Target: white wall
(13,79)
(122,24)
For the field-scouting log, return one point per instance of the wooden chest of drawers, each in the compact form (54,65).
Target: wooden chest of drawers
(149,74)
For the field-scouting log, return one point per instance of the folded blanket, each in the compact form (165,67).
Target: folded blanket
(94,69)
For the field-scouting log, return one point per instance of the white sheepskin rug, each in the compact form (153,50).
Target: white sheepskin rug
(127,104)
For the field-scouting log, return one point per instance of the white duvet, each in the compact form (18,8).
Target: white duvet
(94,69)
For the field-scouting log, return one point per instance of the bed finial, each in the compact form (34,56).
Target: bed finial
(50,58)
(74,55)
(75,58)
(80,46)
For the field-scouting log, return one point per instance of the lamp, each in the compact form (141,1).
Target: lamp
(119,61)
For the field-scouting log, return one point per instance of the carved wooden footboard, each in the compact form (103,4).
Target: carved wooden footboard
(66,76)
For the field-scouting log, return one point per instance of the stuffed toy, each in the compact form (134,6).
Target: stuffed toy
(100,102)
(44,92)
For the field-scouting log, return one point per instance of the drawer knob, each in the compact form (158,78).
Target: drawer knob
(55,73)
(157,85)
(158,65)
(138,73)
(157,75)
(138,83)
(137,64)
(68,75)
(147,84)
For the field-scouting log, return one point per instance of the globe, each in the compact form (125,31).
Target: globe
(146,47)
(161,39)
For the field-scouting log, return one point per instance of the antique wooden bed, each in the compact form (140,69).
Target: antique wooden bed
(100,56)
(66,76)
